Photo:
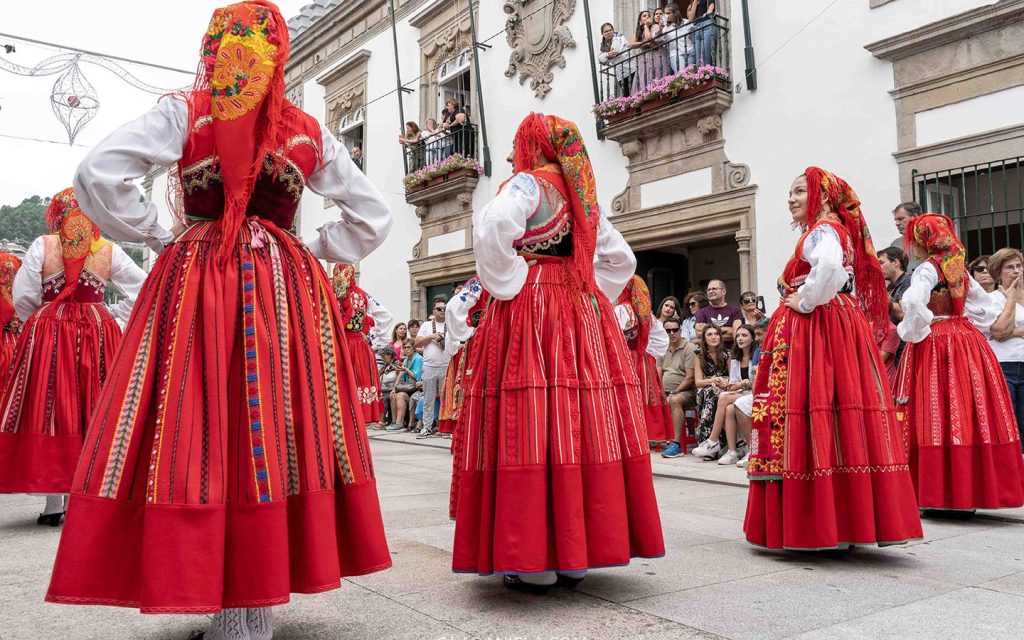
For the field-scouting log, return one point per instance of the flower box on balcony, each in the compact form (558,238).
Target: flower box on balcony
(433,182)
(662,91)
(437,173)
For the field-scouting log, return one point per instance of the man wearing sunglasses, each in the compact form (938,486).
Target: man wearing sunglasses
(435,363)
(677,376)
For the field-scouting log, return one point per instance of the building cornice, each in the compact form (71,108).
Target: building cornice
(952,29)
(956,145)
(351,63)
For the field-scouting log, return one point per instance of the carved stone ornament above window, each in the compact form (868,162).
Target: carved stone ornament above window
(347,103)
(537,35)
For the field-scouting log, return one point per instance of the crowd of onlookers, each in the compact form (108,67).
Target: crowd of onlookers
(665,41)
(439,138)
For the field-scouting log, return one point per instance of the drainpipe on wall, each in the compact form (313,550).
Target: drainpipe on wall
(593,66)
(750,73)
(477,47)
(398,79)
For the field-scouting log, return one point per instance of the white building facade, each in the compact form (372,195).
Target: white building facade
(887,94)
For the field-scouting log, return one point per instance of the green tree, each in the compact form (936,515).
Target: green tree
(25,222)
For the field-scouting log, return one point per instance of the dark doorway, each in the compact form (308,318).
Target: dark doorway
(666,272)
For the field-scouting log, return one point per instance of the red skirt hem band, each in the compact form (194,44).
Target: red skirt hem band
(38,463)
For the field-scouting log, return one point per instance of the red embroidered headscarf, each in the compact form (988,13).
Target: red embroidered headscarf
(241,74)
(9,265)
(542,138)
(638,297)
(935,234)
(79,236)
(869,283)
(343,278)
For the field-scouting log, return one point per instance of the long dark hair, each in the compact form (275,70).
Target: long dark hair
(700,297)
(606,43)
(737,352)
(639,36)
(675,301)
(721,359)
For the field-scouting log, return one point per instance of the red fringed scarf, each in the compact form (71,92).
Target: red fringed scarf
(79,237)
(9,265)
(935,234)
(869,283)
(241,77)
(638,296)
(542,138)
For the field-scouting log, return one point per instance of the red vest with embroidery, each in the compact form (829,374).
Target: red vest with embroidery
(275,199)
(795,273)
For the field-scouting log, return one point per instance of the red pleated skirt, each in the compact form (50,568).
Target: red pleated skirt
(965,450)
(555,470)
(65,353)
(8,343)
(656,410)
(226,464)
(364,365)
(832,470)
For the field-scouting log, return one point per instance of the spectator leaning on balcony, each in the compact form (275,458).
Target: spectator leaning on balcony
(615,54)
(412,141)
(653,61)
(454,124)
(677,34)
(979,271)
(702,14)
(902,215)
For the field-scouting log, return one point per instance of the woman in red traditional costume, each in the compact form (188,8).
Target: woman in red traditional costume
(828,467)
(65,353)
(10,323)
(556,474)
(226,464)
(365,319)
(951,394)
(647,340)
(463,315)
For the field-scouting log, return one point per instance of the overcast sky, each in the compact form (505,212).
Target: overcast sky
(166,33)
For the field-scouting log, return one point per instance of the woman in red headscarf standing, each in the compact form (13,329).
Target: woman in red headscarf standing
(365,319)
(647,340)
(226,465)
(10,323)
(950,393)
(556,471)
(65,353)
(828,466)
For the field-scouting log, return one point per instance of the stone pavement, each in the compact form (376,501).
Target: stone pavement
(965,580)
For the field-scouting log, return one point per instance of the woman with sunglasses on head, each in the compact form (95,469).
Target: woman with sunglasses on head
(695,301)
(978,269)
(828,465)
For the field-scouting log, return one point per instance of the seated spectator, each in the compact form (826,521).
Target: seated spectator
(748,306)
(669,308)
(979,271)
(614,53)
(413,145)
(408,383)
(1006,334)
(760,329)
(388,376)
(719,313)
(677,369)
(695,301)
(711,378)
(398,336)
(357,156)
(738,423)
(742,370)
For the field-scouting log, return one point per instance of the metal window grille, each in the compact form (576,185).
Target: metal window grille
(985,200)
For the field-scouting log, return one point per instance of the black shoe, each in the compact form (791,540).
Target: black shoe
(52,519)
(567,582)
(513,583)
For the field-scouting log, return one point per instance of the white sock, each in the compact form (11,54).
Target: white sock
(228,624)
(260,622)
(543,578)
(573,574)
(54,503)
